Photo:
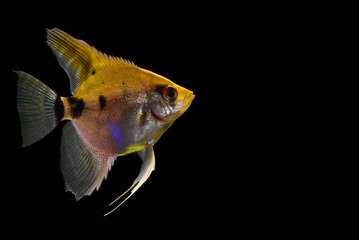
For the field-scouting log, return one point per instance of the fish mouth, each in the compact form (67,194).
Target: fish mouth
(186,103)
(188,100)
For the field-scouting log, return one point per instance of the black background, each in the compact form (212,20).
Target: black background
(186,190)
(225,166)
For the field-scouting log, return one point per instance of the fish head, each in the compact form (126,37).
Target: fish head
(169,101)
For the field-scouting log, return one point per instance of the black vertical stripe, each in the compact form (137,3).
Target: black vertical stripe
(102,101)
(59,108)
(77,106)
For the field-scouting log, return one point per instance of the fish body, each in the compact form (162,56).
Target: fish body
(116,108)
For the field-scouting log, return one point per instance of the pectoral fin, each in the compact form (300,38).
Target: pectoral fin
(148,165)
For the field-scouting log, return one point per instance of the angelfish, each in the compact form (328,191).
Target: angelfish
(116,108)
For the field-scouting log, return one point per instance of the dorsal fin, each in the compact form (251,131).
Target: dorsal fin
(77,58)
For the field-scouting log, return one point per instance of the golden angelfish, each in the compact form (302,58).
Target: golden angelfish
(116,108)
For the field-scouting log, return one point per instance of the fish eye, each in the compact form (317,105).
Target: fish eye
(169,94)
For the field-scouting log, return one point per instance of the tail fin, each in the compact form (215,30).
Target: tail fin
(37,105)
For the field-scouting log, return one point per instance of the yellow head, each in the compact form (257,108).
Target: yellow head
(169,101)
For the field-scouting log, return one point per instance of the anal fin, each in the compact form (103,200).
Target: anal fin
(82,168)
(148,165)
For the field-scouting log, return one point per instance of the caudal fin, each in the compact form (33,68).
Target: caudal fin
(37,105)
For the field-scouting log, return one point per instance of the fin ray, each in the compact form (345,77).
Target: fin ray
(83,170)
(77,58)
(35,103)
(148,165)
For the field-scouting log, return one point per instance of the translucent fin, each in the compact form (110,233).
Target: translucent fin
(35,103)
(83,168)
(76,57)
(148,165)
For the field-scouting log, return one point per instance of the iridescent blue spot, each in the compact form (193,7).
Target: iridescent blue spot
(116,134)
